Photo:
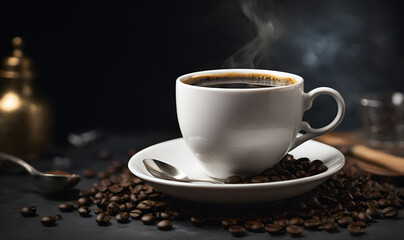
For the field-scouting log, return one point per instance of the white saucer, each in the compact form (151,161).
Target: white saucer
(176,153)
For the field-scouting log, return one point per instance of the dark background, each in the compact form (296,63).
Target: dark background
(113,64)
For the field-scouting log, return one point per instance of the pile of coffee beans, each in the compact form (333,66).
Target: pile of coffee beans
(349,200)
(287,169)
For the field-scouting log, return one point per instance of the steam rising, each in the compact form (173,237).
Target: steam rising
(267,28)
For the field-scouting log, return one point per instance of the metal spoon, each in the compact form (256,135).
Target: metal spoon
(48,182)
(166,171)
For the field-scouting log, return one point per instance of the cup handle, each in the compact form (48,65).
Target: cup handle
(307,103)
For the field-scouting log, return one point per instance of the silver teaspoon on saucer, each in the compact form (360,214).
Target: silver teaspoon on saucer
(166,171)
(46,181)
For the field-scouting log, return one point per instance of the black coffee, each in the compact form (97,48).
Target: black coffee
(238,85)
(238,80)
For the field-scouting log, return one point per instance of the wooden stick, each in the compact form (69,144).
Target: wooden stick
(366,154)
(389,161)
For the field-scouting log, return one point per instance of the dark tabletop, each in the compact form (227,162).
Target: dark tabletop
(17,191)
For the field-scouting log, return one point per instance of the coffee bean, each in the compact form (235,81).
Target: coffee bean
(338,183)
(354,215)
(115,189)
(84,211)
(148,219)
(321,168)
(383,203)
(294,230)
(300,174)
(147,189)
(84,193)
(228,222)
(142,196)
(50,220)
(164,216)
(341,214)
(373,212)
(98,210)
(273,228)
(159,206)
(288,157)
(346,196)
(164,225)
(130,206)
(89,173)
(311,224)
(296,221)
(359,224)
(317,162)
(317,217)
(103,219)
(389,212)
(367,195)
(307,213)
(115,199)
(83,201)
(330,226)
(326,219)
(274,178)
(356,194)
(155,196)
(354,230)
(283,222)
(327,199)
(122,208)
(237,231)
(270,171)
(232,180)
(254,226)
(136,214)
(103,203)
(66,207)
(122,217)
(344,221)
(145,206)
(28,211)
(313,202)
(363,216)
(99,195)
(259,179)
(113,208)
(350,205)
(372,203)
(103,188)
(303,160)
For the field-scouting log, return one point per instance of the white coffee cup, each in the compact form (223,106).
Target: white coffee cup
(242,131)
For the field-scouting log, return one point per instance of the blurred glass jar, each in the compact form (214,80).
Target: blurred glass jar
(383,121)
(25,120)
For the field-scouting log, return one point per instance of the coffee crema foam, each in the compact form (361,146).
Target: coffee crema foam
(207,80)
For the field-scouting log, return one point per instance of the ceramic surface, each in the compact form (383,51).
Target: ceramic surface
(176,153)
(236,131)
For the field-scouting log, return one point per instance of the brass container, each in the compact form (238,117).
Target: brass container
(25,119)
